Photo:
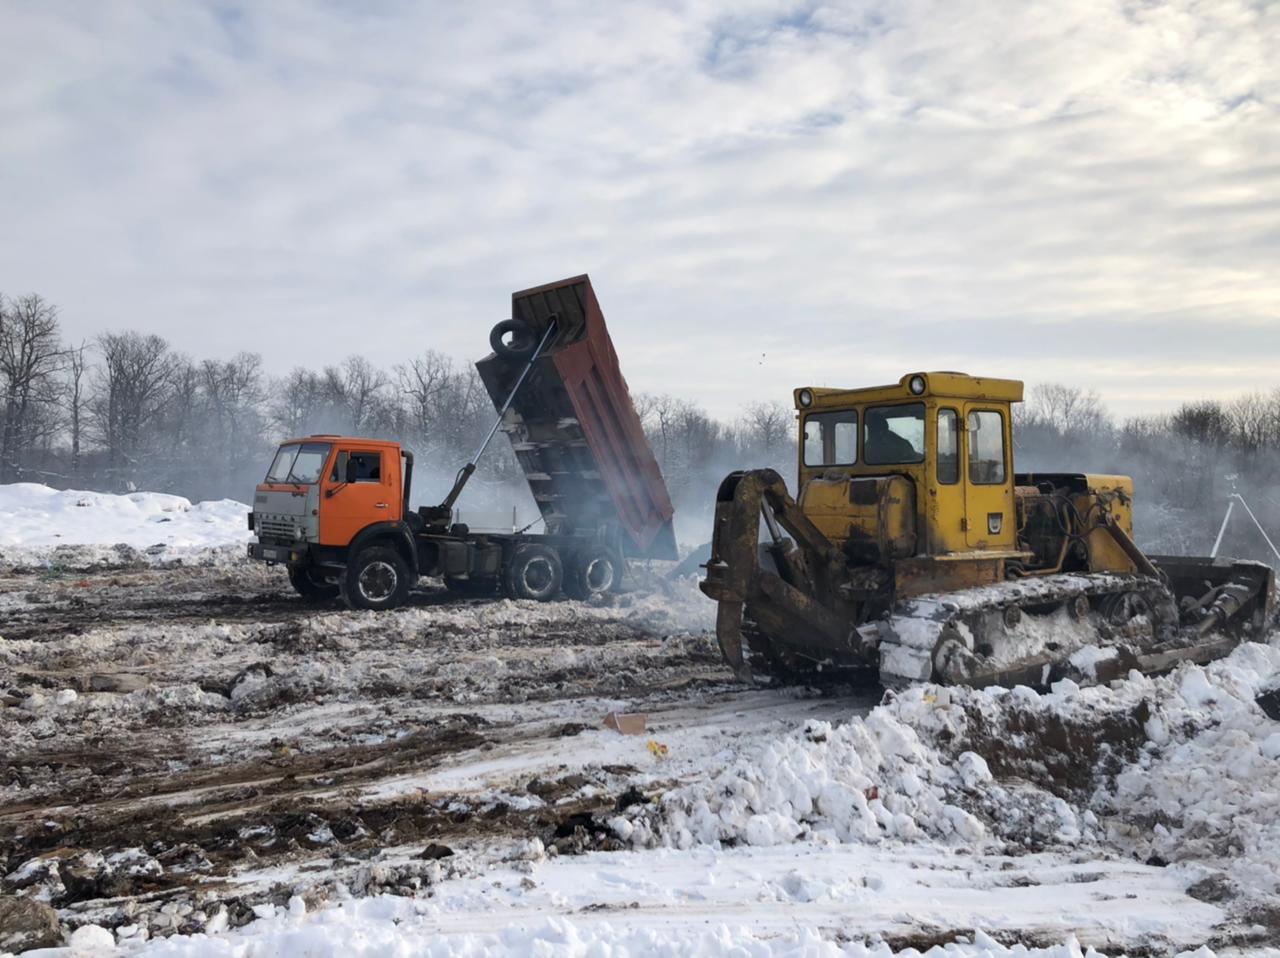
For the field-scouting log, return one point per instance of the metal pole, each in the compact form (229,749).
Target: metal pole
(1259,525)
(1217,543)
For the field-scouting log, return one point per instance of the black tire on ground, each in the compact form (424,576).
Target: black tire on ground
(478,587)
(534,572)
(595,570)
(308,584)
(523,341)
(376,578)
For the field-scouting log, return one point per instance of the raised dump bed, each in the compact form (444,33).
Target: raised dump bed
(573,426)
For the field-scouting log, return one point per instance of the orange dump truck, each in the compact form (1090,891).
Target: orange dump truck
(335,509)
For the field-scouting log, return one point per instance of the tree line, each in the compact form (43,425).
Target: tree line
(126,411)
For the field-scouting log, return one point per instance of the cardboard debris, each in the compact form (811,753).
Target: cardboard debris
(626,723)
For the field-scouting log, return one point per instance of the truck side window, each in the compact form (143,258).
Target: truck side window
(948,447)
(986,447)
(368,466)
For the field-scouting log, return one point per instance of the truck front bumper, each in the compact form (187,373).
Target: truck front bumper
(267,552)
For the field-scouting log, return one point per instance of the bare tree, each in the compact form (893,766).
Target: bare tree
(30,358)
(129,395)
(1253,422)
(425,383)
(1069,410)
(1204,420)
(767,426)
(74,399)
(298,403)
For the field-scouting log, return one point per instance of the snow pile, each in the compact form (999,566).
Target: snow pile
(1185,767)
(865,780)
(1207,785)
(47,525)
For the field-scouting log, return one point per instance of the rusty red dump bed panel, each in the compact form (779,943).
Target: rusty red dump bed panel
(575,430)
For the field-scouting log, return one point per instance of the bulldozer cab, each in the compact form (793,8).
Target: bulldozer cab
(912,548)
(923,467)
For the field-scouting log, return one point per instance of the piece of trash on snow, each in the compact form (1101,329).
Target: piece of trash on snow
(658,750)
(626,723)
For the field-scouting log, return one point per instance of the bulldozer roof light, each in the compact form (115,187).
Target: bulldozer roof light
(917,385)
(805,397)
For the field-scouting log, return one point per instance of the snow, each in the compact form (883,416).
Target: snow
(732,903)
(40,525)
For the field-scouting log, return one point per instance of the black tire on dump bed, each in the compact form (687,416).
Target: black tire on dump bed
(595,570)
(475,588)
(523,341)
(534,572)
(308,584)
(377,578)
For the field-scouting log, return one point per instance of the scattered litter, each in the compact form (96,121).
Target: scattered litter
(626,723)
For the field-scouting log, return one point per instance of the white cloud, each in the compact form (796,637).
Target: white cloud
(765,193)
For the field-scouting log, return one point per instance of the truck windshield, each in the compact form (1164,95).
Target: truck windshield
(299,462)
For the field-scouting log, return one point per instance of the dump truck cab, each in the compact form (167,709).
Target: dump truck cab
(324,491)
(327,499)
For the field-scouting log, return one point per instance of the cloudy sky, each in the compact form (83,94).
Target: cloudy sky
(766,194)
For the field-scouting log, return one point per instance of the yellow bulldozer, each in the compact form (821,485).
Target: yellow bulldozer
(913,548)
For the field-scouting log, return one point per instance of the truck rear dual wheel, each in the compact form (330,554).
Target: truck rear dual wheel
(534,572)
(377,578)
(593,571)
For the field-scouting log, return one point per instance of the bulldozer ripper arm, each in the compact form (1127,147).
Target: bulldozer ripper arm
(783,597)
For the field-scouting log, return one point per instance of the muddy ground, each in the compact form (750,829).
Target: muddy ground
(177,740)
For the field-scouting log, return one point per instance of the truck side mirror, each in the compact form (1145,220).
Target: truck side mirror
(353,470)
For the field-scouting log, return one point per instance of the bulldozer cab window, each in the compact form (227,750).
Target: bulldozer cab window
(986,447)
(357,467)
(893,435)
(831,438)
(948,447)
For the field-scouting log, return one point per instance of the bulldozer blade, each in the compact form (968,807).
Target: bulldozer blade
(729,635)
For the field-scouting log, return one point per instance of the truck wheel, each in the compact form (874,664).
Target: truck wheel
(377,578)
(311,586)
(535,572)
(484,586)
(594,571)
(522,344)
